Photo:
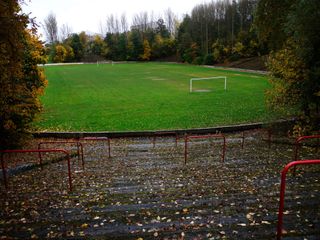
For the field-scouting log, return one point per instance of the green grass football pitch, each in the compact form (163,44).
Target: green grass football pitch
(148,96)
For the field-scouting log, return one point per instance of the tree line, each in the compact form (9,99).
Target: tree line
(213,32)
(148,38)
(218,31)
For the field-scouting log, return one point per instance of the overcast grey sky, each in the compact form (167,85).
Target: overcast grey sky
(86,15)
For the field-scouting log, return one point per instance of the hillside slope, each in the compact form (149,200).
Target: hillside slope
(253,63)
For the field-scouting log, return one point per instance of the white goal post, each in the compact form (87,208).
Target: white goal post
(209,78)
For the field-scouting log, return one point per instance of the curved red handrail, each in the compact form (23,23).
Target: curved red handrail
(283,187)
(299,140)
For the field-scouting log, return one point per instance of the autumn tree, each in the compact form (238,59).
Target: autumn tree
(96,49)
(293,37)
(60,53)
(99,47)
(69,53)
(74,42)
(146,51)
(224,21)
(135,45)
(22,81)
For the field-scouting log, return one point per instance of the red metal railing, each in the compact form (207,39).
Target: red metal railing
(164,134)
(204,137)
(99,139)
(297,146)
(269,132)
(79,144)
(3,165)
(299,140)
(283,187)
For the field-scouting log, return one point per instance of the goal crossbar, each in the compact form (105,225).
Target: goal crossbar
(209,78)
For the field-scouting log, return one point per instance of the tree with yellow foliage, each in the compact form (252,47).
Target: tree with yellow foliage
(146,51)
(291,30)
(61,53)
(22,81)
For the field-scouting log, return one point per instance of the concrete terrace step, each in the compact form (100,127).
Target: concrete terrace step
(148,192)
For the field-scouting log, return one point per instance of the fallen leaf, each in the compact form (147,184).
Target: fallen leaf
(85,225)
(34,236)
(265,222)
(242,224)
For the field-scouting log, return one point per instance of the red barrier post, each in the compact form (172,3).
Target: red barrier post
(299,140)
(269,137)
(99,139)
(81,149)
(224,148)
(204,137)
(242,143)
(109,147)
(297,146)
(78,150)
(185,149)
(36,151)
(40,159)
(4,172)
(64,142)
(283,188)
(154,140)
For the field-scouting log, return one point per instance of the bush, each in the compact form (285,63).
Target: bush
(187,58)
(234,57)
(208,59)
(198,60)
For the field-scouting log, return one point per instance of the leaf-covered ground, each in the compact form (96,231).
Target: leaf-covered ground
(147,192)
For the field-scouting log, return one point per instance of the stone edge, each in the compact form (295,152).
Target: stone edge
(148,133)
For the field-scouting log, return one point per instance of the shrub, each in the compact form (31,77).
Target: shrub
(209,59)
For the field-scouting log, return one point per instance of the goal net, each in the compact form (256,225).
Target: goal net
(206,87)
